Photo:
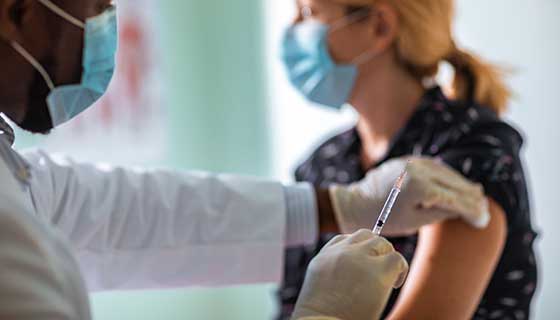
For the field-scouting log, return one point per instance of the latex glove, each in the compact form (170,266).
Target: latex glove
(432,192)
(351,278)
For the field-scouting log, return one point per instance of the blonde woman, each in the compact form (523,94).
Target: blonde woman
(380,57)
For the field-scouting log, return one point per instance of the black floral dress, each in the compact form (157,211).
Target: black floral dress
(474,141)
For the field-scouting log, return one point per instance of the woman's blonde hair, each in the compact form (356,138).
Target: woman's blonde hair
(425,39)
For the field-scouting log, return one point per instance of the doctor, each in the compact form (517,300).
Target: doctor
(120,228)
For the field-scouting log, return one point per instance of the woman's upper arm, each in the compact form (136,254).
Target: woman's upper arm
(452,267)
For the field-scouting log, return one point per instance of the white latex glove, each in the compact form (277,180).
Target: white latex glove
(432,192)
(351,278)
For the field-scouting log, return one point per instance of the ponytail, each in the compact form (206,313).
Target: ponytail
(425,38)
(479,81)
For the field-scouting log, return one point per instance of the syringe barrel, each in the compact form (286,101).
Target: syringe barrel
(386,211)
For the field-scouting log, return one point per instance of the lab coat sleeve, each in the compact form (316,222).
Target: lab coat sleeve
(30,287)
(138,229)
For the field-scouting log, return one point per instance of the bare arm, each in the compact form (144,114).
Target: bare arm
(451,269)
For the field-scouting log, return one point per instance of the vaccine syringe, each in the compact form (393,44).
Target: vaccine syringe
(386,211)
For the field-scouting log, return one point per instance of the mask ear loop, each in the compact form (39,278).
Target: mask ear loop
(63,14)
(349,19)
(27,56)
(364,57)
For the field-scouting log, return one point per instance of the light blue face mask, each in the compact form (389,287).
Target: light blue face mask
(98,62)
(310,67)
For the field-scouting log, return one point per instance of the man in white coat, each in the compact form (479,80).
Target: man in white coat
(65,226)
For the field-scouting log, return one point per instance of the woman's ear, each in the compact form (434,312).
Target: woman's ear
(384,27)
(11,19)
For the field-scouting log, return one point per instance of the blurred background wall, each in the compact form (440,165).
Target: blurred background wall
(190,93)
(200,86)
(211,64)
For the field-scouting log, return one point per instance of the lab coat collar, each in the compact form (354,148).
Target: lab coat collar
(16,164)
(6,132)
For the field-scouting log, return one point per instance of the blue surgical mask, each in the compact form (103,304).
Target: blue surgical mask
(98,62)
(311,68)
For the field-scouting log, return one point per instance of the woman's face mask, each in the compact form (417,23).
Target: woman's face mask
(98,62)
(311,68)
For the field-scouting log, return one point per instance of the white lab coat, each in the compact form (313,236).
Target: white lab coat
(131,229)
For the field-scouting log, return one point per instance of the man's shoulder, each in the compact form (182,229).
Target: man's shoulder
(9,185)
(13,188)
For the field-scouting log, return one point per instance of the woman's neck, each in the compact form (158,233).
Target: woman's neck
(385,98)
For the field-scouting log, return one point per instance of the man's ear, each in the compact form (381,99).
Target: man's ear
(11,19)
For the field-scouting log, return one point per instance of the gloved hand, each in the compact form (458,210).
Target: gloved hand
(431,193)
(351,278)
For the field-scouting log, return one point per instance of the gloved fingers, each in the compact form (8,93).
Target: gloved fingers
(434,197)
(473,208)
(342,199)
(422,169)
(450,178)
(378,246)
(337,239)
(432,171)
(361,236)
(441,197)
(479,218)
(397,267)
(401,279)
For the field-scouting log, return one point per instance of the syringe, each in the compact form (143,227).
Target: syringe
(386,211)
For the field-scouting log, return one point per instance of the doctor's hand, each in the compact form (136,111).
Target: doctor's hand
(432,192)
(351,278)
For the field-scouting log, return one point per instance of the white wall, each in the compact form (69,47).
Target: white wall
(524,34)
